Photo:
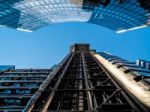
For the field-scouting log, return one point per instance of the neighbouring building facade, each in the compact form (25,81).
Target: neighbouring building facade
(117,15)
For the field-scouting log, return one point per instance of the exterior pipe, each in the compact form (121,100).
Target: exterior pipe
(136,90)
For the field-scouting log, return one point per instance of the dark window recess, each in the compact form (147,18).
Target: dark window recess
(97,2)
(145,4)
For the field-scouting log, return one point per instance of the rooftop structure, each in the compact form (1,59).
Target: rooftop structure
(117,15)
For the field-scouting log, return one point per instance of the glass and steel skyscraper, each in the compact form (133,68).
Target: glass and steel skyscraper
(117,15)
(84,81)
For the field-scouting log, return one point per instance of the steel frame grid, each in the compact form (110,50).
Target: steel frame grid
(17,87)
(83,85)
(41,13)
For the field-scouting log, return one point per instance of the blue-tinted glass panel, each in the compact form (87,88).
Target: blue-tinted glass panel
(30,15)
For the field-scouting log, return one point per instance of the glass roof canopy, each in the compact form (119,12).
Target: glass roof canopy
(117,15)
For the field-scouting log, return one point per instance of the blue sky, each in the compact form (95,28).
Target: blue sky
(48,46)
